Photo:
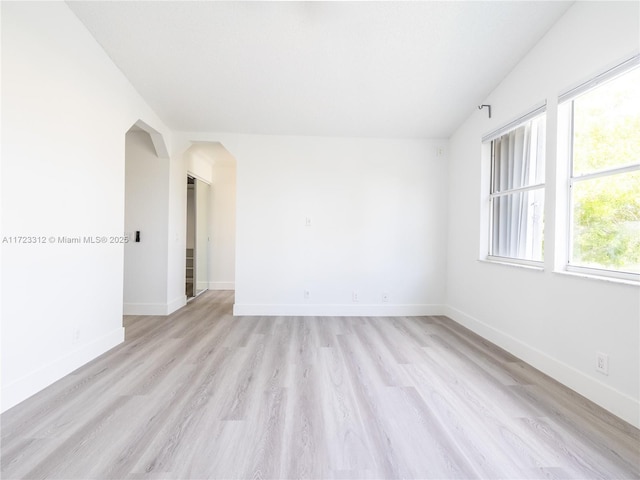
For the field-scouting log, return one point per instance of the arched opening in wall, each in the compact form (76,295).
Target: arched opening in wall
(145,222)
(210,218)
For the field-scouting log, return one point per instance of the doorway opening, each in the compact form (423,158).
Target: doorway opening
(197,245)
(146,168)
(210,202)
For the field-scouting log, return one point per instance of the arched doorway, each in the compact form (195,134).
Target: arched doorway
(145,222)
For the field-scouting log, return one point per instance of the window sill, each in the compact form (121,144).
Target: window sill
(516,264)
(599,278)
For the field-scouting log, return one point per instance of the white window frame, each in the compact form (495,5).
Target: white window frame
(488,139)
(567,98)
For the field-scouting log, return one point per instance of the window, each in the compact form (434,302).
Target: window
(516,193)
(604,176)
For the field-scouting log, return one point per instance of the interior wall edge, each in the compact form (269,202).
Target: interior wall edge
(175,304)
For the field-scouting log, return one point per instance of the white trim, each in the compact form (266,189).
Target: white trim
(154,308)
(535,186)
(514,262)
(144,309)
(222,286)
(616,402)
(339,310)
(33,382)
(598,278)
(605,172)
(597,80)
(530,115)
(604,273)
(197,177)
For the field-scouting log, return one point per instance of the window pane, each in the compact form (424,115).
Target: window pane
(607,125)
(518,225)
(518,157)
(606,222)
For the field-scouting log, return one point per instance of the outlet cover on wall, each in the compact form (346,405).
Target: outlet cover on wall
(602,363)
(307,294)
(385,298)
(354,296)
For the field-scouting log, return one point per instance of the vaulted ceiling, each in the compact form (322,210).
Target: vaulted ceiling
(364,69)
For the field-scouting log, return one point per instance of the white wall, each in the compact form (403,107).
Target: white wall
(554,321)
(202,224)
(222,231)
(65,111)
(146,203)
(378,225)
(198,163)
(177,230)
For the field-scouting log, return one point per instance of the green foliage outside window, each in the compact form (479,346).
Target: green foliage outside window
(606,210)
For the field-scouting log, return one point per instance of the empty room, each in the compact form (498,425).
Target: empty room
(341,240)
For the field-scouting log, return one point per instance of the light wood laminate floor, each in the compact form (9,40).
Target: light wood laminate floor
(201,394)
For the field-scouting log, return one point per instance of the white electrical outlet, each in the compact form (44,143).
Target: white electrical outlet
(307,294)
(354,296)
(385,298)
(602,363)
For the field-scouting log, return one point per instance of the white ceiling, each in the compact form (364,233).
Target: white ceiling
(363,69)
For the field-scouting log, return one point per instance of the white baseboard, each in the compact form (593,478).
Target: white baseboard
(175,304)
(154,308)
(37,380)
(346,310)
(144,309)
(616,402)
(222,286)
